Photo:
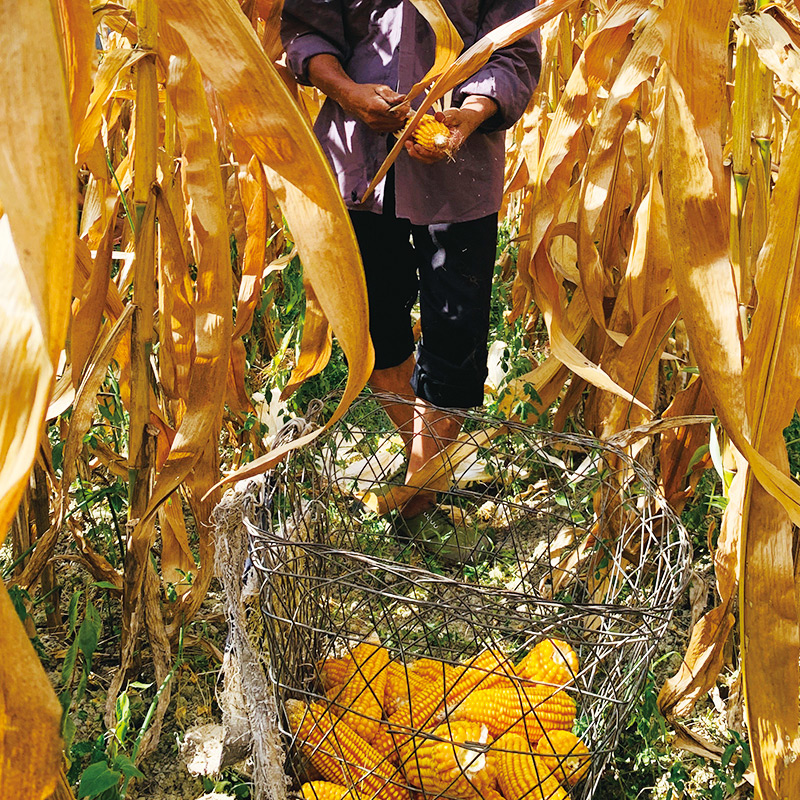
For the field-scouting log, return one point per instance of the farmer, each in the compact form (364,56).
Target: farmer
(430,228)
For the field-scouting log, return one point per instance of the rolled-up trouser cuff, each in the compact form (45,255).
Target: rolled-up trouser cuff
(456,386)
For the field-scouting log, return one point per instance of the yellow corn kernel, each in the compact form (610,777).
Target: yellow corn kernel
(432,134)
(551,661)
(414,678)
(384,744)
(451,760)
(530,710)
(416,713)
(332,671)
(565,755)
(340,754)
(487,670)
(359,702)
(522,774)
(325,790)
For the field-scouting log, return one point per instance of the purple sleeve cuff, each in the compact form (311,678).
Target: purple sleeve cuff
(509,79)
(301,49)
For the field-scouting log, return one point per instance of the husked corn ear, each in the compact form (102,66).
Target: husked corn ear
(514,766)
(551,661)
(332,671)
(325,790)
(384,744)
(359,702)
(528,710)
(451,761)
(416,713)
(487,670)
(340,754)
(414,678)
(432,134)
(565,755)
(518,780)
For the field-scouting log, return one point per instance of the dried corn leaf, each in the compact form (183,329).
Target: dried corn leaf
(704,279)
(78,31)
(769,614)
(315,344)
(176,314)
(213,323)
(263,113)
(37,227)
(448,43)
(177,561)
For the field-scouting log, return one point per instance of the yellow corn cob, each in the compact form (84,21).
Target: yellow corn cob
(325,790)
(522,774)
(487,670)
(384,744)
(551,661)
(417,713)
(416,677)
(530,710)
(432,134)
(340,754)
(564,754)
(332,671)
(444,763)
(359,703)
(428,708)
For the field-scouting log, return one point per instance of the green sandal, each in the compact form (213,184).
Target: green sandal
(435,532)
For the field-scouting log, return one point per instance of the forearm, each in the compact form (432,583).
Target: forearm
(476,109)
(326,72)
(375,104)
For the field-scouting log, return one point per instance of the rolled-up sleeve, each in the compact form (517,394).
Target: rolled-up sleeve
(310,28)
(511,74)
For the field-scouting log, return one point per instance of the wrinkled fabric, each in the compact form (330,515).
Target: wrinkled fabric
(389,42)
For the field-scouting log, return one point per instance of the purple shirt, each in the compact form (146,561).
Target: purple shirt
(389,42)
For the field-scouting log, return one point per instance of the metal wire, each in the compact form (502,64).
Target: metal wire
(569,536)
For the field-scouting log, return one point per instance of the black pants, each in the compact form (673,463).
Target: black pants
(450,266)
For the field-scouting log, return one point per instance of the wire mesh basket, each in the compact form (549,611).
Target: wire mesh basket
(553,539)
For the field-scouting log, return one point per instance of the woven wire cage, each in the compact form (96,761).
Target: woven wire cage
(557,536)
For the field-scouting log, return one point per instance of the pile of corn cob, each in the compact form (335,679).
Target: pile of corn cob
(482,729)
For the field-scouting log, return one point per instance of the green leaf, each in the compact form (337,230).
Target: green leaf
(126,766)
(104,584)
(123,717)
(89,633)
(96,779)
(72,614)
(69,662)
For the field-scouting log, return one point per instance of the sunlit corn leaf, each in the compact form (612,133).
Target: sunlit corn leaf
(37,227)
(448,43)
(769,612)
(261,111)
(315,344)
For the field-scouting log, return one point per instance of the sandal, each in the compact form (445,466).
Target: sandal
(434,530)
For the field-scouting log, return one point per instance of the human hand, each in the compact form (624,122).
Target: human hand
(375,104)
(462,122)
(383,109)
